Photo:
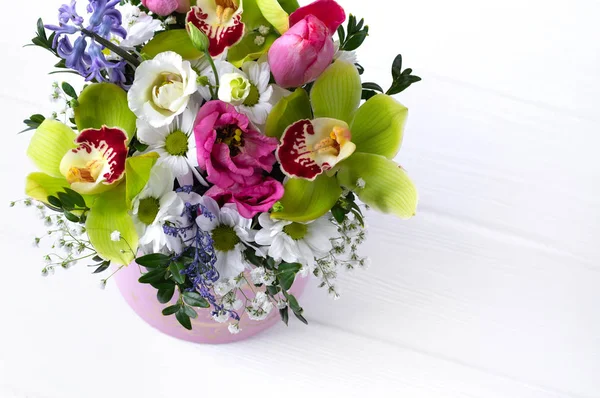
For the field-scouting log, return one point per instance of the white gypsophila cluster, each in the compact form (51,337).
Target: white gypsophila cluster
(262,276)
(68,242)
(62,108)
(344,255)
(260,307)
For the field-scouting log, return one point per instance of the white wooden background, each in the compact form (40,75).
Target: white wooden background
(492,291)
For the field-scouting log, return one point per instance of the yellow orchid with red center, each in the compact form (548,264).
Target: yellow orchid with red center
(93,163)
(336,144)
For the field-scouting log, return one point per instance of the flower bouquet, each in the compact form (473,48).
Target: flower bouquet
(218,152)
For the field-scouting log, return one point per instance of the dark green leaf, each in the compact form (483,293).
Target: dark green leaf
(67,201)
(69,90)
(41,31)
(54,201)
(361,70)
(339,213)
(171,309)
(341,35)
(273,290)
(360,24)
(176,267)
(155,260)
(165,294)
(397,67)
(97,259)
(71,217)
(76,198)
(372,86)
(293,302)
(285,316)
(302,319)
(103,267)
(351,25)
(289,267)
(356,41)
(195,300)
(183,319)
(153,276)
(252,258)
(37,118)
(189,311)
(286,280)
(368,94)
(139,146)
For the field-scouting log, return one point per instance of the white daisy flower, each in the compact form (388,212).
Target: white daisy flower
(229,231)
(174,143)
(155,206)
(206,75)
(259,102)
(295,242)
(346,56)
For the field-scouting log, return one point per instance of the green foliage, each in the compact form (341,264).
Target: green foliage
(402,79)
(354,35)
(345,206)
(33,122)
(71,204)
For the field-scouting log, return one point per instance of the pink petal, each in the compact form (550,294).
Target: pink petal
(328,11)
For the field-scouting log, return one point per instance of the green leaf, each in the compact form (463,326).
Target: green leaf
(336,93)
(195,300)
(104,104)
(356,40)
(289,267)
(155,260)
(372,86)
(248,50)
(308,200)
(285,316)
(109,213)
(51,141)
(183,319)
(69,90)
(189,311)
(165,294)
(153,276)
(68,203)
(286,279)
(387,187)
(339,213)
(379,126)
(176,267)
(397,67)
(102,267)
(71,217)
(54,201)
(198,38)
(137,170)
(275,14)
(288,111)
(40,186)
(171,310)
(301,318)
(76,198)
(293,302)
(177,40)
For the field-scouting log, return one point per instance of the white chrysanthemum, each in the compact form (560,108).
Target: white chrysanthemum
(259,102)
(229,231)
(206,75)
(156,205)
(346,56)
(294,242)
(162,88)
(174,143)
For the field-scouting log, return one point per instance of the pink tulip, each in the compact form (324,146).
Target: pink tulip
(304,52)
(167,7)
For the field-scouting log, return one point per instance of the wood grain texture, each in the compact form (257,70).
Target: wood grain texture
(490,292)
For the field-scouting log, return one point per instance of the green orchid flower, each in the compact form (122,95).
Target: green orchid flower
(94,164)
(336,144)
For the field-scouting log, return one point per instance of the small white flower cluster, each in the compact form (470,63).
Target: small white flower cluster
(260,38)
(262,276)
(62,105)
(260,307)
(343,255)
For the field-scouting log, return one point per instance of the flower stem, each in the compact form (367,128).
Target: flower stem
(133,61)
(214,68)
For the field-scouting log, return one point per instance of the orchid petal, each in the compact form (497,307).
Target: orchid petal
(305,200)
(176,40)
(222,23)
(289,6)
(51,141)
(248,50)
(337,92)
(104,104)
(252,16)
(385,186)
(40,185)
(275,14)
(288,111)
(138,173)
(379,125)
(111,213)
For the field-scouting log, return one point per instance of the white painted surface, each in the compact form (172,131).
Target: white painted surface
(492,291)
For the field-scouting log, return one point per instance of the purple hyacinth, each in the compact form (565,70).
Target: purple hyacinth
(86,55)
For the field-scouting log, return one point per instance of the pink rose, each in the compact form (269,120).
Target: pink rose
(304,52)
(229,148)
(250,201)
(166,7)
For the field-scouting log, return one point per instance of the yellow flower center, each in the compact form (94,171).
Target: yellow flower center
(225,10)
(89,173)
(332,144)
